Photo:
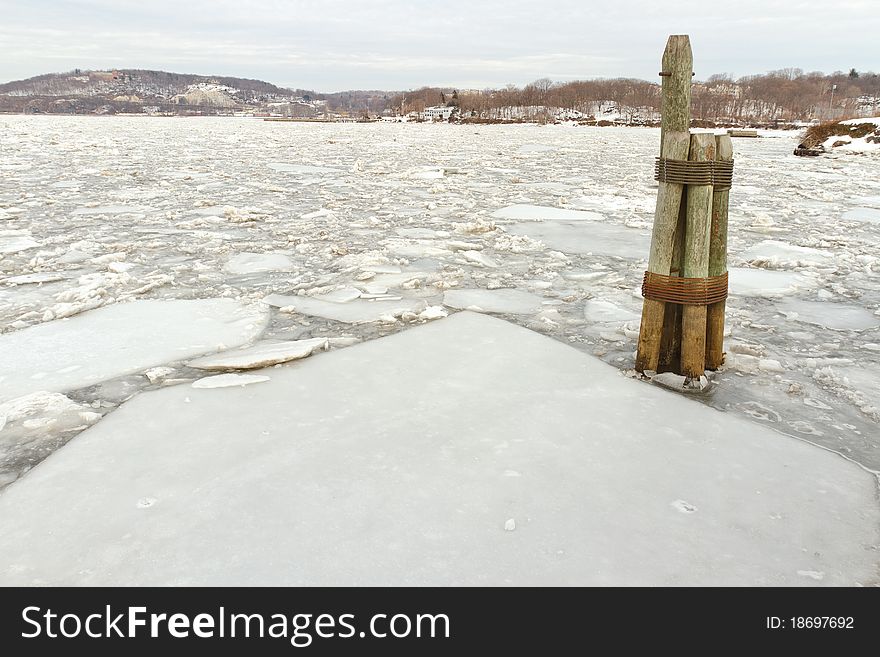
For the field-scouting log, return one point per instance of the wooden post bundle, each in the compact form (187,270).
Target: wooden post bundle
(685,285)
(718,259)
(674,144)
(695,263)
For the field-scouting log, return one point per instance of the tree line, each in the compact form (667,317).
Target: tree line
(783,95)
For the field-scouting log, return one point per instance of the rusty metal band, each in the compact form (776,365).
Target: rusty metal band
(684,172)
(685,291)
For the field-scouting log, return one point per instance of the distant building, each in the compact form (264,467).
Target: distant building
(438,112)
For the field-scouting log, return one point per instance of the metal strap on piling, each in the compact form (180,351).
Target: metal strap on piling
(685,291)
(683,172)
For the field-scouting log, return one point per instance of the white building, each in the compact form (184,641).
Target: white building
(438,112)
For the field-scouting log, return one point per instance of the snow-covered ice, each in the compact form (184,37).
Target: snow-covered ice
(407,483)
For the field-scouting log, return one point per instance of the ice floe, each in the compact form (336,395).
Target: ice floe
(540,213)
(121,339)
(351,312)
(260,355)
(618,482)
(251,263)
(516,302)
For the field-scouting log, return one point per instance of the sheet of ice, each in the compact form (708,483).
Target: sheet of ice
(352,312)
(35,278)
(838,316)
(251,263)
(300,168)
(603,312)
(522,212)
(505,300)
(341,295)
(588,238)
(13,241)
(781,254)
(745,282)
(871,215)
(113,209)
(260,355)
(121,339)
(229,381)
(411,480)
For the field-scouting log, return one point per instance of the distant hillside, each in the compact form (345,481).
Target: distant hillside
(133,90)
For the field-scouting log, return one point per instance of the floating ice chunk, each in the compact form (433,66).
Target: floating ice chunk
(432,404)
(479,258)
(527,149)
(37,277)
(831,315)
(425,173)
(229,380)
(680,383)
(509,525)
(300,168)
(317,214)
(605,312)
(588,237)
(353,312)
(862,214)
(780,254)
(121,339)
(540,212)
(250,263)
(417,233)
(511,301)
(114,209)
(433,312)
(745,282)
(341,295)
(13,241)
(157,374)
(374,289)
(260,355)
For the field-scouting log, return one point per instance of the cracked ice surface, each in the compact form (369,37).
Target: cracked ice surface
(94,212)
(407,483)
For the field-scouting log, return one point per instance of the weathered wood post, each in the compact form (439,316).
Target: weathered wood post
(670,344)
(674,143)
(696,259)
(718,258)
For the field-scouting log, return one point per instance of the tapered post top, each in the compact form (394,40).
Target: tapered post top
(678,64)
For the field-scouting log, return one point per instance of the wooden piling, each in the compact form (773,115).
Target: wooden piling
(718,260)
(670,343)
(695,263)
(674,143)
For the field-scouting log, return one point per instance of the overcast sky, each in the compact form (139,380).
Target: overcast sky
(333,45)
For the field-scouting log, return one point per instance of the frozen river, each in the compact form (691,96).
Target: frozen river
(344,232)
